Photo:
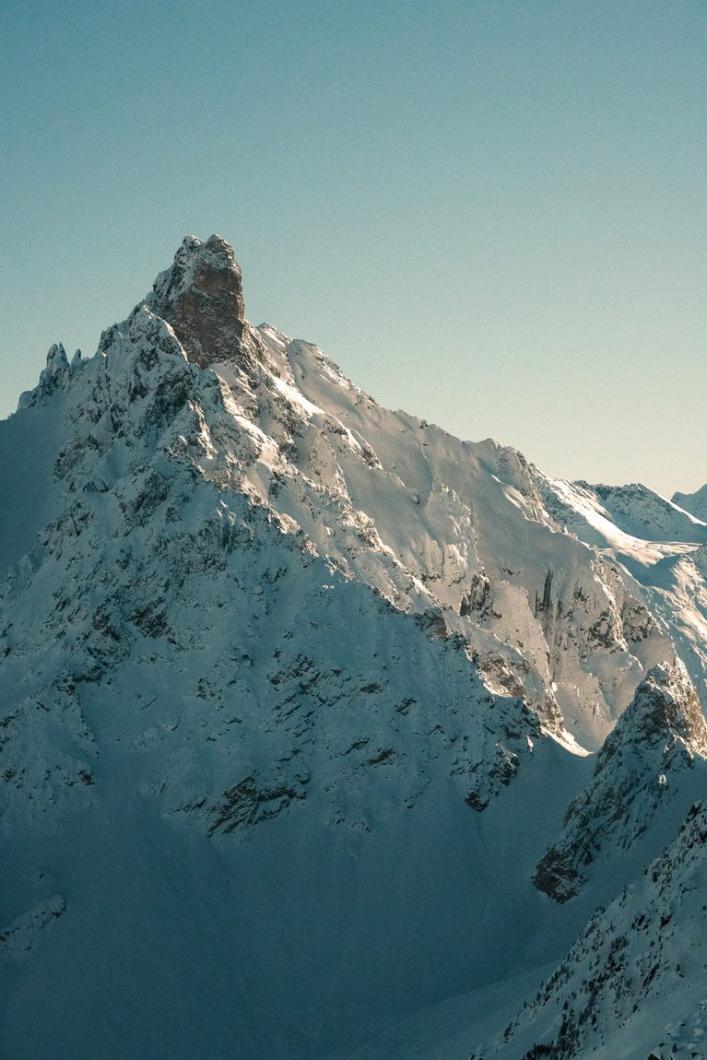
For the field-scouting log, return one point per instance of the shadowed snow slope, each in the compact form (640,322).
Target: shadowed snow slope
(633,985)
(296,692)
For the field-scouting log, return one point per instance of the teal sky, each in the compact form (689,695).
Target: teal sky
(490,214)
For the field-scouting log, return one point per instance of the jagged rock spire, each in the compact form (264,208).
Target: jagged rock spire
(56,372)
(201,296)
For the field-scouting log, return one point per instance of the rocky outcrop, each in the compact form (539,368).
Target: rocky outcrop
(55,376)
(24,934)
(201,296)
(650,766)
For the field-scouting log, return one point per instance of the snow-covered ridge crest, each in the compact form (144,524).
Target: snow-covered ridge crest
(405,507)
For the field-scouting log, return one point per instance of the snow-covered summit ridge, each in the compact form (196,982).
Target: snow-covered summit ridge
(470,529)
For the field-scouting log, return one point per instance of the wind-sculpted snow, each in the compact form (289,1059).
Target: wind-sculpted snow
(633,985)
(295,690)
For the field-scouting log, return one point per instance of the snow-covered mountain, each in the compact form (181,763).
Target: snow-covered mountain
(297,691)
(695,503)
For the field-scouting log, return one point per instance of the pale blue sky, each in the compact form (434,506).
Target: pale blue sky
(490,214)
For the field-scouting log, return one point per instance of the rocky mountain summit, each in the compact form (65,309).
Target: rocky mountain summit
(201,297)
(298,690)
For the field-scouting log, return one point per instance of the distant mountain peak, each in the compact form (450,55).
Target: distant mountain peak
(694,503)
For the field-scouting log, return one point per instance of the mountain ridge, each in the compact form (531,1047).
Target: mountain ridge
(353,662)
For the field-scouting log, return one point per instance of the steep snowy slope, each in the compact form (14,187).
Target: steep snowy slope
(633,985)
(294,693)
(158,555)
(645,777)
(232,771)
(429,521)
(660,550)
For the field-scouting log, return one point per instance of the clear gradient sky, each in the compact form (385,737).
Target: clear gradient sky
(492,214)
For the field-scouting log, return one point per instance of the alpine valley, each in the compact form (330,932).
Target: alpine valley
(324,734)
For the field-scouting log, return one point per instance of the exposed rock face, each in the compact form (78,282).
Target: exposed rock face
(201,296)
(25,933)
(648,766)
